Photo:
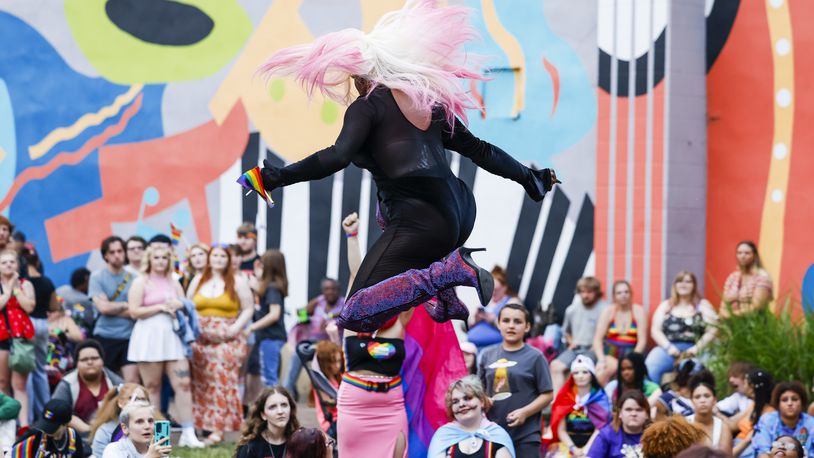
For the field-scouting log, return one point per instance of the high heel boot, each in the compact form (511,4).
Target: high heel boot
(370,307)
(446,306)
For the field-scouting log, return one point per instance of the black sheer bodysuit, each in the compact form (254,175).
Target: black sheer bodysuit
(429,211)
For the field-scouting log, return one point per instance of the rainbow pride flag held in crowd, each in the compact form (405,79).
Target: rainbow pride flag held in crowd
(252,181)
(434,360)
(175,234)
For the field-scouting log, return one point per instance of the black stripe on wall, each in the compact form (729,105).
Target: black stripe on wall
(582,245)
(319,231)
(247,162)
(524,232)
(548,245)
(351,193)
(274,216)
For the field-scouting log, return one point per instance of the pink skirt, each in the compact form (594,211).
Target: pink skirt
(369,423)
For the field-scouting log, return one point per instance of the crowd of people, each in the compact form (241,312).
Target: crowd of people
(88,368)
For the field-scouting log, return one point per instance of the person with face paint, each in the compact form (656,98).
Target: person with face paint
(225,305)
(702,392)
(624,434)
(469,434)
(789,420)
(580,410)
(271,422)
(517,378)
(748,288)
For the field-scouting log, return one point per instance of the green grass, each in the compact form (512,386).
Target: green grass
(221,451)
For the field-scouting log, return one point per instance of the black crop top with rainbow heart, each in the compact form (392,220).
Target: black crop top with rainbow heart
(376,354)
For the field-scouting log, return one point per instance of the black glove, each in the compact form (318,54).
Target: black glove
(540,182)
(272,176)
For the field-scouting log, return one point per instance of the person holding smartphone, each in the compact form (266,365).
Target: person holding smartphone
(140,439)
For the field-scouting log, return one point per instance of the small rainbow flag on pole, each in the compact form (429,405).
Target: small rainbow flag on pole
(175,234)
(252,181)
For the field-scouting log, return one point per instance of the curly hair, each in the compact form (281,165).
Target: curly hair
(254,425)
(793,386)
(669,437)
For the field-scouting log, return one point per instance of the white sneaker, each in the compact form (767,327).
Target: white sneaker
(188,439)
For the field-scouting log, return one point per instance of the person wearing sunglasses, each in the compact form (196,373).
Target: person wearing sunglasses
(787,447)
(789,420)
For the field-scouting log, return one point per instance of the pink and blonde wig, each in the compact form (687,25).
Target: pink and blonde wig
(417,50)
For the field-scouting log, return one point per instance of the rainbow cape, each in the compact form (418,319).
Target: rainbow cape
(252,181)
(597,407)
(434,360)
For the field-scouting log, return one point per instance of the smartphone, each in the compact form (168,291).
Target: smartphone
(162,430)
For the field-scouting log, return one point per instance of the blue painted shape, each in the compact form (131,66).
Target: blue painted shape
(807,292)
(535,135)
(8,140)
(35,203)
(46,94)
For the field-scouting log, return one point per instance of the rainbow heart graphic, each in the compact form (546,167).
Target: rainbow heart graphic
(381,350)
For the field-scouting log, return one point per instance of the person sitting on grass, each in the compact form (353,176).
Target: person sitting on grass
(138,425)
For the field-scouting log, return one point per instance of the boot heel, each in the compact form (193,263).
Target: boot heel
(486,284)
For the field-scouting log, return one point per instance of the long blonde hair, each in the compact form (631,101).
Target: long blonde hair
(147,265)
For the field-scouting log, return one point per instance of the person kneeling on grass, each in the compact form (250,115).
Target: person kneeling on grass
(138,425)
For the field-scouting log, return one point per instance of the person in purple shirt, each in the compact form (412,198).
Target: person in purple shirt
(624,434)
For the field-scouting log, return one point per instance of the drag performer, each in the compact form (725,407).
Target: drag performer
(408,70)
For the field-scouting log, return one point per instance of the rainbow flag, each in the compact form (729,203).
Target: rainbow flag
(175,234)
(252,181)
(434,360)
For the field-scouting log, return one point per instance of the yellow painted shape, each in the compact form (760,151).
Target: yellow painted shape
(88,120)
(514,52)
(292,126)
(2,154)
(773,218)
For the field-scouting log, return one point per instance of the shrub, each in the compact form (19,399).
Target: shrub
(782,345)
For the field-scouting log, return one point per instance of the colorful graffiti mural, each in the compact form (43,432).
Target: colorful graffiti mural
(759,147)
(124,117)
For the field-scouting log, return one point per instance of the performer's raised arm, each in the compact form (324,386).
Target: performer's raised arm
(494,160)
(359,118)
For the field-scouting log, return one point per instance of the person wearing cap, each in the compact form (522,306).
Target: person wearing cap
(580,410)
(517,379)
(50,435)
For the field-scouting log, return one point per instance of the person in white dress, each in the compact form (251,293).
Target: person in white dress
(154,345)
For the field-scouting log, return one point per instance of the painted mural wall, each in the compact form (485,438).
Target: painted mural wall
(761,103)
(123,116)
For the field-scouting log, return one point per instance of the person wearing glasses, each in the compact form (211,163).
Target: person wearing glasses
(86,386)
(787,447)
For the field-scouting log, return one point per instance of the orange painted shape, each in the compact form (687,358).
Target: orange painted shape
(740,103)
(620,206)
(639,190)
(179,167)
(555,83)
(601,208)
(657,201)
